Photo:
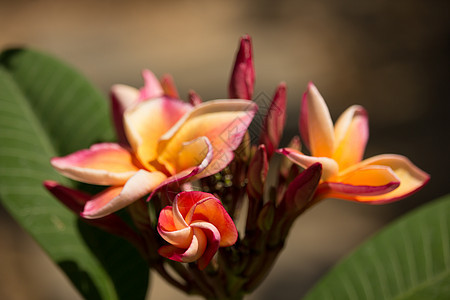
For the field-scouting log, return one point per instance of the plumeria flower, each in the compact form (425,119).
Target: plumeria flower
(196,225)
(340,149)
(165,140)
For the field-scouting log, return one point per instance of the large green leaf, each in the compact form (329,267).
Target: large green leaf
(47,109)
(408,260)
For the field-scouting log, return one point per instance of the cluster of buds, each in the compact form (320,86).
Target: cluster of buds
(183,171)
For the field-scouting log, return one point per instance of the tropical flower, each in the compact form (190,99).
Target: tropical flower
(340,149)
(163,140)
(196,225)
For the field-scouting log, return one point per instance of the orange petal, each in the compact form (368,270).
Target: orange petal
(148,121)
(223,122)
(209,209)
(329,166)
(316,126)
(102,164)
(116,198)
(351,135)
(366,181)
(411,177)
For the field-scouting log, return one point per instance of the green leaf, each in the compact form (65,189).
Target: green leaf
(47,109)
(408,260)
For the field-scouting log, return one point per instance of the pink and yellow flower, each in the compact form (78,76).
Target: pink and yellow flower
(196,225)
(340,149)
(162,140)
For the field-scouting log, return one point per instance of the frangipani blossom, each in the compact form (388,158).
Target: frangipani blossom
(196,225)
(167,140)
(340,149)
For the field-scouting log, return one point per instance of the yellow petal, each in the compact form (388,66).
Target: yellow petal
(411,177)
(222,122)
(146,122)
(316,123)
(351,135)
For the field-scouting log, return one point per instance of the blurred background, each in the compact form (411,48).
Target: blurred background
(392,57)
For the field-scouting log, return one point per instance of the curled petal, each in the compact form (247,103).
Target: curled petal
(411,177)
(148,121)
(213,237)
(179,238)
(316,126)
(115,198)
(152,88)
(351,134)
(274,121)
(209,209)
(102,164)
(223,122)
(190,254)
(122,97)
(243,76)
(329,166)
(168,85)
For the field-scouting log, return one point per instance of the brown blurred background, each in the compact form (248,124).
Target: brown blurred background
(392,57)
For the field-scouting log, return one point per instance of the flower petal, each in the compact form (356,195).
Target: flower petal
(213,236)
(193,153)
(148,121)
(329,166)
(366,181)
(180,178)
(122,97)
(193,252)
(316,126)
(223,122)
(102,164)
(210,210)
(411,177)
(179,238)
(351,135)
(152,88)
(115,198)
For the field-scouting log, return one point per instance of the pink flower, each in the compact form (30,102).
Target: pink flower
(164,140)
(340,149)
(195,226)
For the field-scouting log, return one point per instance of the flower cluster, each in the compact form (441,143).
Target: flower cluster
(168,149)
